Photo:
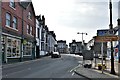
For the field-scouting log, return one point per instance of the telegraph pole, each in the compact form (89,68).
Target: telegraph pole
(111,27)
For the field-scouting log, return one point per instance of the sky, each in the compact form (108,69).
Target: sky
(67,17)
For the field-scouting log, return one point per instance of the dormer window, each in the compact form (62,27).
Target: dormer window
(12,3)
(30,15)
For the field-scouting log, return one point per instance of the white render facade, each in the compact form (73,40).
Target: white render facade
(51,43)
(38,39)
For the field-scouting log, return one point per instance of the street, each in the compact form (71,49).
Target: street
(45,67)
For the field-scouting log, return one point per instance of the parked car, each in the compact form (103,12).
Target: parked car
(55,55)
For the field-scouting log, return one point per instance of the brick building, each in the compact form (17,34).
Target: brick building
(18,31)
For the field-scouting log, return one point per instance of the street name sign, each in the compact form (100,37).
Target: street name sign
(106,38)
(104,32)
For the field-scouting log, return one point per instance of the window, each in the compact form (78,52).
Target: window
(28,49)
(14,22)
(29,15)
(29,29)
(38,32)
(13,47)
(42,46)
(8,19)
(12,3)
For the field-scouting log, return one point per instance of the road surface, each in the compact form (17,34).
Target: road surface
(45,67)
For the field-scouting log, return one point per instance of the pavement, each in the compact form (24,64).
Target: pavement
(94,74)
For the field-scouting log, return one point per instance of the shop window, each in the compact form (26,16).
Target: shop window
(13,47)
(28,49)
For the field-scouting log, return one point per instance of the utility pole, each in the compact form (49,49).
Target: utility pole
(111,27)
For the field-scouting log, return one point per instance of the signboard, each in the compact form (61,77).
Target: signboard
(88,55)
(97,47)
(104,32)
(106,38)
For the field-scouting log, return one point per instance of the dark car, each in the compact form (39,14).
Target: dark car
(55,55)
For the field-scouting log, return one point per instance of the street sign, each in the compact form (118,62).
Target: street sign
(106,38)
(104,32)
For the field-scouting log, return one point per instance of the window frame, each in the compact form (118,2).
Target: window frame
(15,26)
(30,15)
(12,4)
(8,20)
(29,30)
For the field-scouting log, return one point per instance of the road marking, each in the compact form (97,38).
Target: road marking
(73,73)
(74,69)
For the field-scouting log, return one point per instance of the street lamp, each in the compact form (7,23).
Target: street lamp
(82,35)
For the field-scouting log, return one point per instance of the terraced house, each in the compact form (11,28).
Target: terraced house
(18,31)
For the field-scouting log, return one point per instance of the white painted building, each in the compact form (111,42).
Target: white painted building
(38,37)
(51,41)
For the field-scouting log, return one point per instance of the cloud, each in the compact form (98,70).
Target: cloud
(67,17)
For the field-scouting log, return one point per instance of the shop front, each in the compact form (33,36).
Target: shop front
(10,48)
(27,51)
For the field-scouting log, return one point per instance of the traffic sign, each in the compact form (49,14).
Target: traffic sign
(104,32)
(106,38)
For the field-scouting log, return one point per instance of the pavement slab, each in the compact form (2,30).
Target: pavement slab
(91,73)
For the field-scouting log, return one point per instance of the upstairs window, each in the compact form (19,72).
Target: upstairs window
(29,29)
(8,19)
(14,22)
(12,3)
(30,15)
(38,32)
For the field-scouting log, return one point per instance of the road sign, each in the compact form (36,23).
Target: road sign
(106,38)
(104,32)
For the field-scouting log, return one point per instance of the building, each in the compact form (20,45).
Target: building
(18,31)
(76,47)
(38,36)
(51,41)
(62,46)
(44,37)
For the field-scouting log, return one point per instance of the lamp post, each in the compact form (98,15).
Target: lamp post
(82,36)
(82,43)
(111,27)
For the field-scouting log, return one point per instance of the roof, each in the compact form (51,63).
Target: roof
(26,4)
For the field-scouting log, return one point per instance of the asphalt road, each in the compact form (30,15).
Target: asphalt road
(45,67)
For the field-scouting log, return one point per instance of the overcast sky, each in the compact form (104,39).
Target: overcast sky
(67,17)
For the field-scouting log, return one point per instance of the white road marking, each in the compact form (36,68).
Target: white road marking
(73,73)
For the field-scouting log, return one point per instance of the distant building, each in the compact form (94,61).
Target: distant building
(38,36)
(62,46)
(44,38)
(51,41)
(76,47)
